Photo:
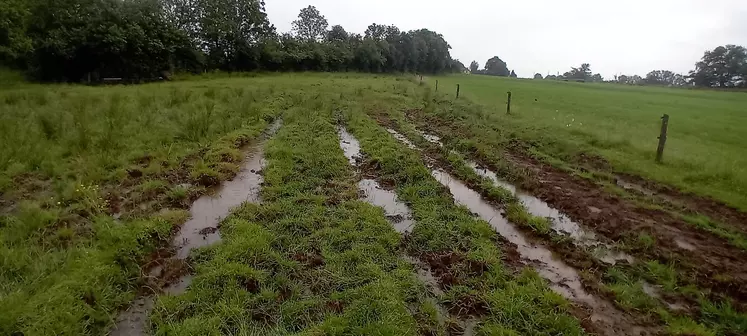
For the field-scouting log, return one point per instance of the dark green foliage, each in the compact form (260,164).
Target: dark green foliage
(89,40)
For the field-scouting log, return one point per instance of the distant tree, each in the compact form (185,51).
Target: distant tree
(337,34)
(622,79)
(513,74)
(664,77)
(725,66)
(597,78)
(496,67)
(581,73)
(538,76)
(473,67)
(551,77)
(311,25)
(458,67)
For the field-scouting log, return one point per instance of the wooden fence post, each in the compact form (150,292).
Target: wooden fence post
(421,79)
(662,137)
(508,103)
(457,91)
(436,85)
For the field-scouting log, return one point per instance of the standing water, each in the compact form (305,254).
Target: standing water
(398,213)
(201,230)
(564,279)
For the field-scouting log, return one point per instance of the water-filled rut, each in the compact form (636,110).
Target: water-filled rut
(202,229)
(563,278)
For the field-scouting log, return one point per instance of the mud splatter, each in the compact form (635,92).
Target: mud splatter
(201,230)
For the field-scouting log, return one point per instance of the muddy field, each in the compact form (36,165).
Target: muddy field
(367,205)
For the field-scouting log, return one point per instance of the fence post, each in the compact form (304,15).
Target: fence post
(457,91)
(508,103)
(662,137)
(421,79)
(436,85)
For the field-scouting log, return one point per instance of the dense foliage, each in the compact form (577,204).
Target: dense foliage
(74,40)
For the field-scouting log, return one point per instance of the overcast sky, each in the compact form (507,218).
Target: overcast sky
(550,36)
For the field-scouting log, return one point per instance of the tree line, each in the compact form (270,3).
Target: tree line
(88,40)
(723,67)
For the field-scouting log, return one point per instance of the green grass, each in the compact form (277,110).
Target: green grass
(73,157)
(312,258)
(704,152)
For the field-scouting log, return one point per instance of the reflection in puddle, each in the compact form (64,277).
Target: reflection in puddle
(201,230)
(561,223)
(398,213)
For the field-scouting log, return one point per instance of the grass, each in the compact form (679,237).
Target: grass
(76,157)
(312,258)
(621,124)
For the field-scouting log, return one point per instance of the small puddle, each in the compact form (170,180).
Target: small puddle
(685,245)
(201,230)
(434,139)
(654,292)
(397,212)
(401,138)
(561,223)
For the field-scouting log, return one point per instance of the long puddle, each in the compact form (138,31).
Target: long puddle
(561,223)
(400,216)
(202,229)
(397,212)
(563,279)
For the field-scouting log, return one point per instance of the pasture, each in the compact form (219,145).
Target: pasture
(372,205)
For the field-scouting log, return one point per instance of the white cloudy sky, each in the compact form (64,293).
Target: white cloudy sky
(549,36)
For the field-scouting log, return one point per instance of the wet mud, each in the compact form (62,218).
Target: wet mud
(563,279)
(710,261)
(172,275)
(561,223)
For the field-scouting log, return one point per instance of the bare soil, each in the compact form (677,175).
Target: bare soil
(709,261)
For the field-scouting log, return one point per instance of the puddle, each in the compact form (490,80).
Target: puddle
(561,223)
(201,230)
(685,245)
(401,138)
(563,279)
(653,291)
(398,213)
(434,139)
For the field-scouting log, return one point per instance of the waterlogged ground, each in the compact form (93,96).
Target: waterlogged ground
(337,204)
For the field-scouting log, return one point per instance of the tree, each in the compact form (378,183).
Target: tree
(725,66)
(513,74)
(538,76)
(664,77)
(597,78)
(473,67)
(14,43)
(581,73)
(496,67)
(311,25)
